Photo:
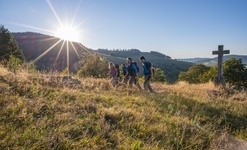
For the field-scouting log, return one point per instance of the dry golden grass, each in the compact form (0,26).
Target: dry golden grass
(3,71)
(202,92)
(39,111)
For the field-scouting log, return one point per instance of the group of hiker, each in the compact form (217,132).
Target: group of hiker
(130,73)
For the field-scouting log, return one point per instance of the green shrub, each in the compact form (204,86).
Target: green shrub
(235,72)
(193,74)
(94,66)
(159,75)
(14,63)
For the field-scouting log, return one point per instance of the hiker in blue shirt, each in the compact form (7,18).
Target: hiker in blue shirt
(132,72)
(148,73)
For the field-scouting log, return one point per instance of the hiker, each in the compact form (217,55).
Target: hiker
(148,73)
(132,72)
(125,70)
(113,74)
(118,70)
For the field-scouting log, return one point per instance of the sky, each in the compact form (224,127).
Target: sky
(177,28)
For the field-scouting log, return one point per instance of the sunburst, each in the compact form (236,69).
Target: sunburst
(68,33)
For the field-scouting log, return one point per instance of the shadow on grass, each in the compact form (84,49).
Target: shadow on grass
(205,112)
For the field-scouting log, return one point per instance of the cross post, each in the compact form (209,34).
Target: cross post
(219,80)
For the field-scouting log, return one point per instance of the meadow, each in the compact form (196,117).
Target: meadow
(39,111)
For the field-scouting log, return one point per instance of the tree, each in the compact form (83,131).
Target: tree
(159,75)
(193,74)
(8,46)
(183,76)
(235,72)
(208,75)
(94,66)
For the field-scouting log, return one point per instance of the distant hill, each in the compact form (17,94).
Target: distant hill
(213,61)
(34,45)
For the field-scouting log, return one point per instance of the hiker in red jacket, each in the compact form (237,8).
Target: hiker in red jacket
(113,74)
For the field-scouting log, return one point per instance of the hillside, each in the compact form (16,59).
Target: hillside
(34,44)
(55,52)
(214,61)
(40,111)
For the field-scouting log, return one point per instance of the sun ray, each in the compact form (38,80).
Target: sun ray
(84,48)
(67,56)
(79,24)
(23,25)
(46,51)
(75,50)
(54,12)
(76,12)
(59,52)
(49,39)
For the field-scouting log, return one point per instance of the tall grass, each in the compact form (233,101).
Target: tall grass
(38,112)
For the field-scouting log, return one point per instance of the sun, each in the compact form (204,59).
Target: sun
(68,33)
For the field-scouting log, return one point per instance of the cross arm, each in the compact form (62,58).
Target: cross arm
(226,52)
(215,52)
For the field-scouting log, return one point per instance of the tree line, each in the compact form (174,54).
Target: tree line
(235,73)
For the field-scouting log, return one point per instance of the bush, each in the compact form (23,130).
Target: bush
(208,75)
(159,75)
(14,63)
(94,66)
(193,74)
(235,72)
(30,67)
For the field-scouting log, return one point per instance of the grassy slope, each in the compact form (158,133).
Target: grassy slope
(39,114)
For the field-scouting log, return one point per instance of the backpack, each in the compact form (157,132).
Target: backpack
(131,70)
(135,63)
(125,70)
(149,65)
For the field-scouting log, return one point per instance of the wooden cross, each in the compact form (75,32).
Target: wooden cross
(220,79)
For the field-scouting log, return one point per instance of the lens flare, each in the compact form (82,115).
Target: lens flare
(68,34)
